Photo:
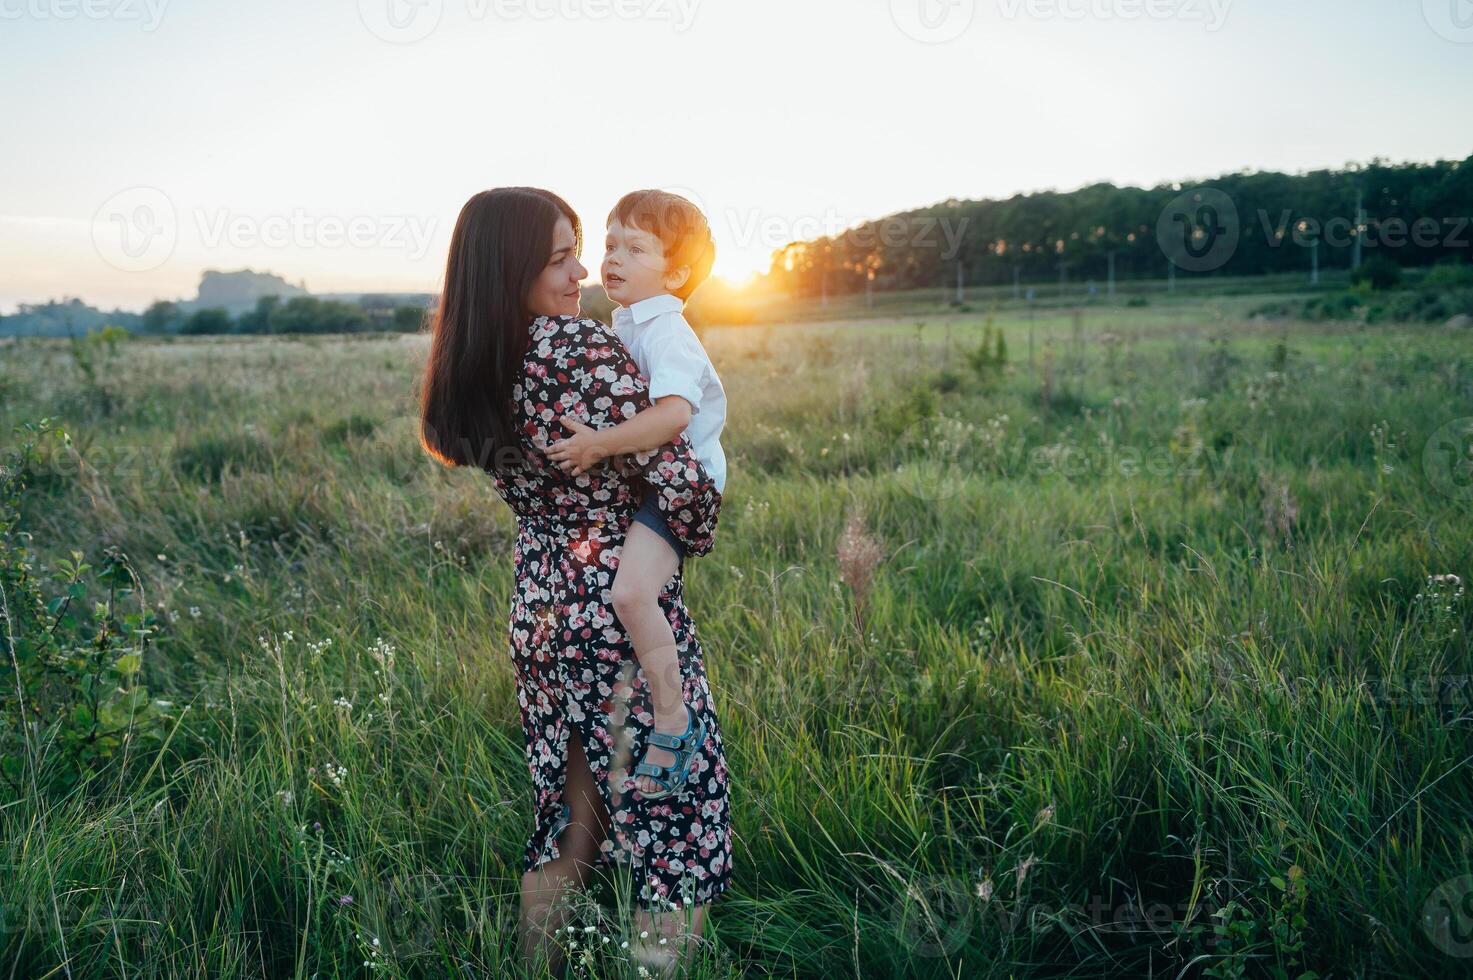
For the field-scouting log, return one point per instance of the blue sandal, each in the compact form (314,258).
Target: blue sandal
(683,747)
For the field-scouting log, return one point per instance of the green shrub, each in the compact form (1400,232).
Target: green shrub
(991,354)
(1378,272)
(1449,275)
(70,694)
(892,419)
(1335,306)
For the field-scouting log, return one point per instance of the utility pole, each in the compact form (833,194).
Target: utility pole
(1360,220)
(1314,263)
(1017,282)
(1030,326)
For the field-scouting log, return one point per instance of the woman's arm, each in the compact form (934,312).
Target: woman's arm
(650,429)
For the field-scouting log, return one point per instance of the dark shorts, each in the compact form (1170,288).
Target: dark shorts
(649,515)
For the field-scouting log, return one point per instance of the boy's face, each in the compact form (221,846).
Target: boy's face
(634,265)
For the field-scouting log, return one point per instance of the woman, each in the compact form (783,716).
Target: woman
(508,357)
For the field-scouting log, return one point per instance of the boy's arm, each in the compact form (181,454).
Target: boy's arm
(650,429)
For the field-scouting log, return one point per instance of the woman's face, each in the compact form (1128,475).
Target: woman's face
(555,291)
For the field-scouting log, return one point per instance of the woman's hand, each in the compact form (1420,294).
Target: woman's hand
(580,451)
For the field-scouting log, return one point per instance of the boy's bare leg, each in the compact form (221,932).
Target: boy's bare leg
(645,564)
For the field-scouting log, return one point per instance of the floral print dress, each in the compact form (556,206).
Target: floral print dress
(575,666)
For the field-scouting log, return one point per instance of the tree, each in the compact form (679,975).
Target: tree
(207,321)
(260,320)
(162,317)
(408,319)
(307,314)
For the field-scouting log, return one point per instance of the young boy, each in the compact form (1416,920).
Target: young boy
(658,250)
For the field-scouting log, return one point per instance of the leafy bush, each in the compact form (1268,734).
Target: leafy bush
(69,690)
(1335,306)
(990,355)
(1378,272)
(891,419)
(1449,275)
(95,357)
(1420,305)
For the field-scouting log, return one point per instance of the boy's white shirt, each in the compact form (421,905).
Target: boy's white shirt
(670,354)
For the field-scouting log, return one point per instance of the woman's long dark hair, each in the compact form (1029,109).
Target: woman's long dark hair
(502,241)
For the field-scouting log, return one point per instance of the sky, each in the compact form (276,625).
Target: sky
(334,142)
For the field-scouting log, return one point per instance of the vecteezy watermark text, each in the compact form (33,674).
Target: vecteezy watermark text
(1341,231)
(1199,230)
(149,13)
(407,21)
(137,229)
(1212,13)
(303,229)
(900,231)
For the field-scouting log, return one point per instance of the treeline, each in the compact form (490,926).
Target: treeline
(1413,214)
(63,318)
(300,314)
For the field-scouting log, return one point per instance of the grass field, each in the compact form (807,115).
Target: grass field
(1119,658)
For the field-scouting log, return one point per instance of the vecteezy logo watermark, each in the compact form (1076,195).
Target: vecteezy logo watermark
(934,917)
(1341,231)
(407,21)
(410,234)
(1199,231)
(743,227)
(933,21)
(1447,459)
(935,458)
(136,229)
(1451,19)
(1211,12)
(680,14)
(401,21)
(1447,916)
(914,232)
(408,913)
(149,12)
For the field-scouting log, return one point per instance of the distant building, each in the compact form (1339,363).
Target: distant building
(237,292)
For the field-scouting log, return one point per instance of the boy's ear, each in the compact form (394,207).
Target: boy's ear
(677,277)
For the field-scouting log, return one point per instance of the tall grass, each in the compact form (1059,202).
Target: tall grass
(1136,673)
